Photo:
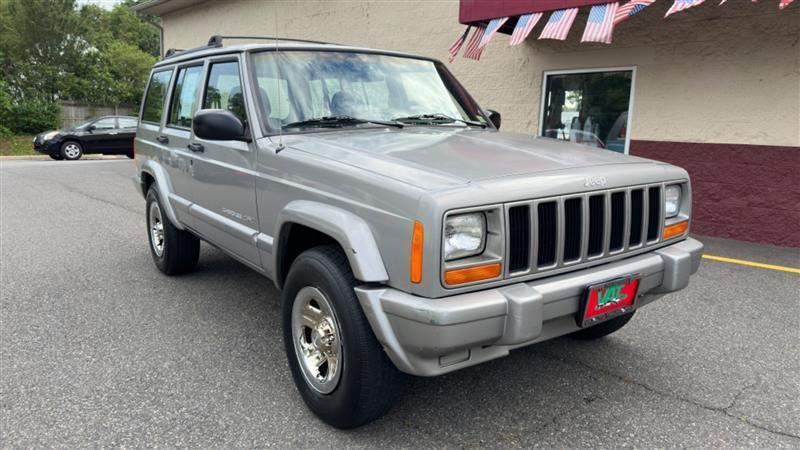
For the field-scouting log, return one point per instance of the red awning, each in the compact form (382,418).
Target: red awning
(475,11)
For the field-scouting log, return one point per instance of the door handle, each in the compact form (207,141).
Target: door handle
(195,147)
(162,139)
(112,133)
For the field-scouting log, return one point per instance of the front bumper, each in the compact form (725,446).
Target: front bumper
(430,337)
(46,147)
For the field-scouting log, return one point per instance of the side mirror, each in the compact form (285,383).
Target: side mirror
(91,128)
(218,125)
(494,117)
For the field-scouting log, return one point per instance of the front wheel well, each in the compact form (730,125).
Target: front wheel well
(294,240)
(147,180)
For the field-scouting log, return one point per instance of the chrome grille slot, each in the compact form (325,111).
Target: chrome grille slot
(548,234)
(617,221)
(572,229)
(519,238)
(637,217)
(654,203)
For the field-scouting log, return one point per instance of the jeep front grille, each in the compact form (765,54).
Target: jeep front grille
(547,234)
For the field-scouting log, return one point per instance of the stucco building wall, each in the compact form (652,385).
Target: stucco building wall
(726,74)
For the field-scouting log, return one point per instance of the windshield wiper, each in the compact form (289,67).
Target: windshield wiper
(334,121)
(438,117)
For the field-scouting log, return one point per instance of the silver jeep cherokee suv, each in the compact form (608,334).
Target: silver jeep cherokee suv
(406,232)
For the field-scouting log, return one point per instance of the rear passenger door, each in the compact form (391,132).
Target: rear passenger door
(176,135)
(225,201)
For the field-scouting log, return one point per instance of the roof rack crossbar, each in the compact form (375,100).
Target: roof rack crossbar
(173,52)
(217,39)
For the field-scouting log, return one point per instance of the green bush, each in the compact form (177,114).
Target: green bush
(30,117)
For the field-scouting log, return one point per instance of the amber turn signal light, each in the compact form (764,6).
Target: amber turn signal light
(471,274)
(416,253)
(676,229)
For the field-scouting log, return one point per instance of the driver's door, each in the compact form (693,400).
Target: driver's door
(101,135)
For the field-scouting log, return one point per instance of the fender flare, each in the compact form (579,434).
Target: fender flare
(161,178)
(346,228)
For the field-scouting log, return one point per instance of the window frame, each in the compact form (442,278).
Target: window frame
(222,60)
(203,65)
(167,95)
(543,95)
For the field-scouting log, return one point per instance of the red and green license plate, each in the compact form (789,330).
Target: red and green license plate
(607,300)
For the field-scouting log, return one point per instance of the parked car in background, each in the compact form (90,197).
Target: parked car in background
(109,135)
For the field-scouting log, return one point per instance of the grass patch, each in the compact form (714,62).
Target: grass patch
(17,146)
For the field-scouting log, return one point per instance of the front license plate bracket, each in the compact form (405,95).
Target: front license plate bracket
(607,300)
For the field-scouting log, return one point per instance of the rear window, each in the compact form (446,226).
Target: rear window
(156,93)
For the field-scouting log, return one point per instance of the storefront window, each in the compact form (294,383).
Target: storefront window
(589,108)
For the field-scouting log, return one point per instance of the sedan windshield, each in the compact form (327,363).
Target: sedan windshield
(302,90)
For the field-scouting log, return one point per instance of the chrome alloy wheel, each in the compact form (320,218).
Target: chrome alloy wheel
(317,342)
(72,151)
(156,229)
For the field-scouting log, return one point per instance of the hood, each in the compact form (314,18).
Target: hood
(434,157)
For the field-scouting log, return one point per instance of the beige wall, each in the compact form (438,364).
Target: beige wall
(727,74)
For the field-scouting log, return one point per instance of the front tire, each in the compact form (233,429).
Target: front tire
(602,329)
(71,150)
(337,364)
(174,251)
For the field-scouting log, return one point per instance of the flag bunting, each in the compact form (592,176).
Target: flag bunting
(680,5)
(558,24)
(525,24)
(456,47)
(600,25)
(624,12)
(473,50)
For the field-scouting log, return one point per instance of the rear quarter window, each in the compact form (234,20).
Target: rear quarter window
(153,108)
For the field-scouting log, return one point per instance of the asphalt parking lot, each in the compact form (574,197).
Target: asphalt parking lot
(97,348)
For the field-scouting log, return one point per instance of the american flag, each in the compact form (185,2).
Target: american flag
(627,10)
(600,25)
(680,5)
(524,26)
(784,3)
(456,47)
(473,49)
(558,24)
(491,30)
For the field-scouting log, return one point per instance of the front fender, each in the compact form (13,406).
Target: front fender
(155,170)
(349,230)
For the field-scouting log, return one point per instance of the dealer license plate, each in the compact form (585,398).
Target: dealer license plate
(607,300)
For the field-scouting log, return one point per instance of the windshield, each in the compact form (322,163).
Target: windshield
(303,89)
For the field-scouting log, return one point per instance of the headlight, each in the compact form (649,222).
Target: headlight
(50,135)
(672,201)
(464,235)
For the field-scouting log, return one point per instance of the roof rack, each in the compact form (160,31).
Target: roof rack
(216,42)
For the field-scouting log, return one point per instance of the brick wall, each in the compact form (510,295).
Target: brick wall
(746,192)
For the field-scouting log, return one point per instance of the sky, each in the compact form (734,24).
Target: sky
(107,4)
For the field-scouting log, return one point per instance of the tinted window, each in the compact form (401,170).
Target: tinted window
(184,98)
(154,100)
(126,122)
(588,108)
(105,124)
(224,89)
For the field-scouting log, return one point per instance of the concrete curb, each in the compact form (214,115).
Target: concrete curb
(47,158)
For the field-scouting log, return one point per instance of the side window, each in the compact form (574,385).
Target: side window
(156,92)
(224,89)
(184,97)
(127,122)
(105,124)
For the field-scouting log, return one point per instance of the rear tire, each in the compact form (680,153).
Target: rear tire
(71,150)
(320,310)
(603,329)
(174,251)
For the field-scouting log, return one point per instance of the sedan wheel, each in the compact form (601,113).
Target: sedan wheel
(71,151)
